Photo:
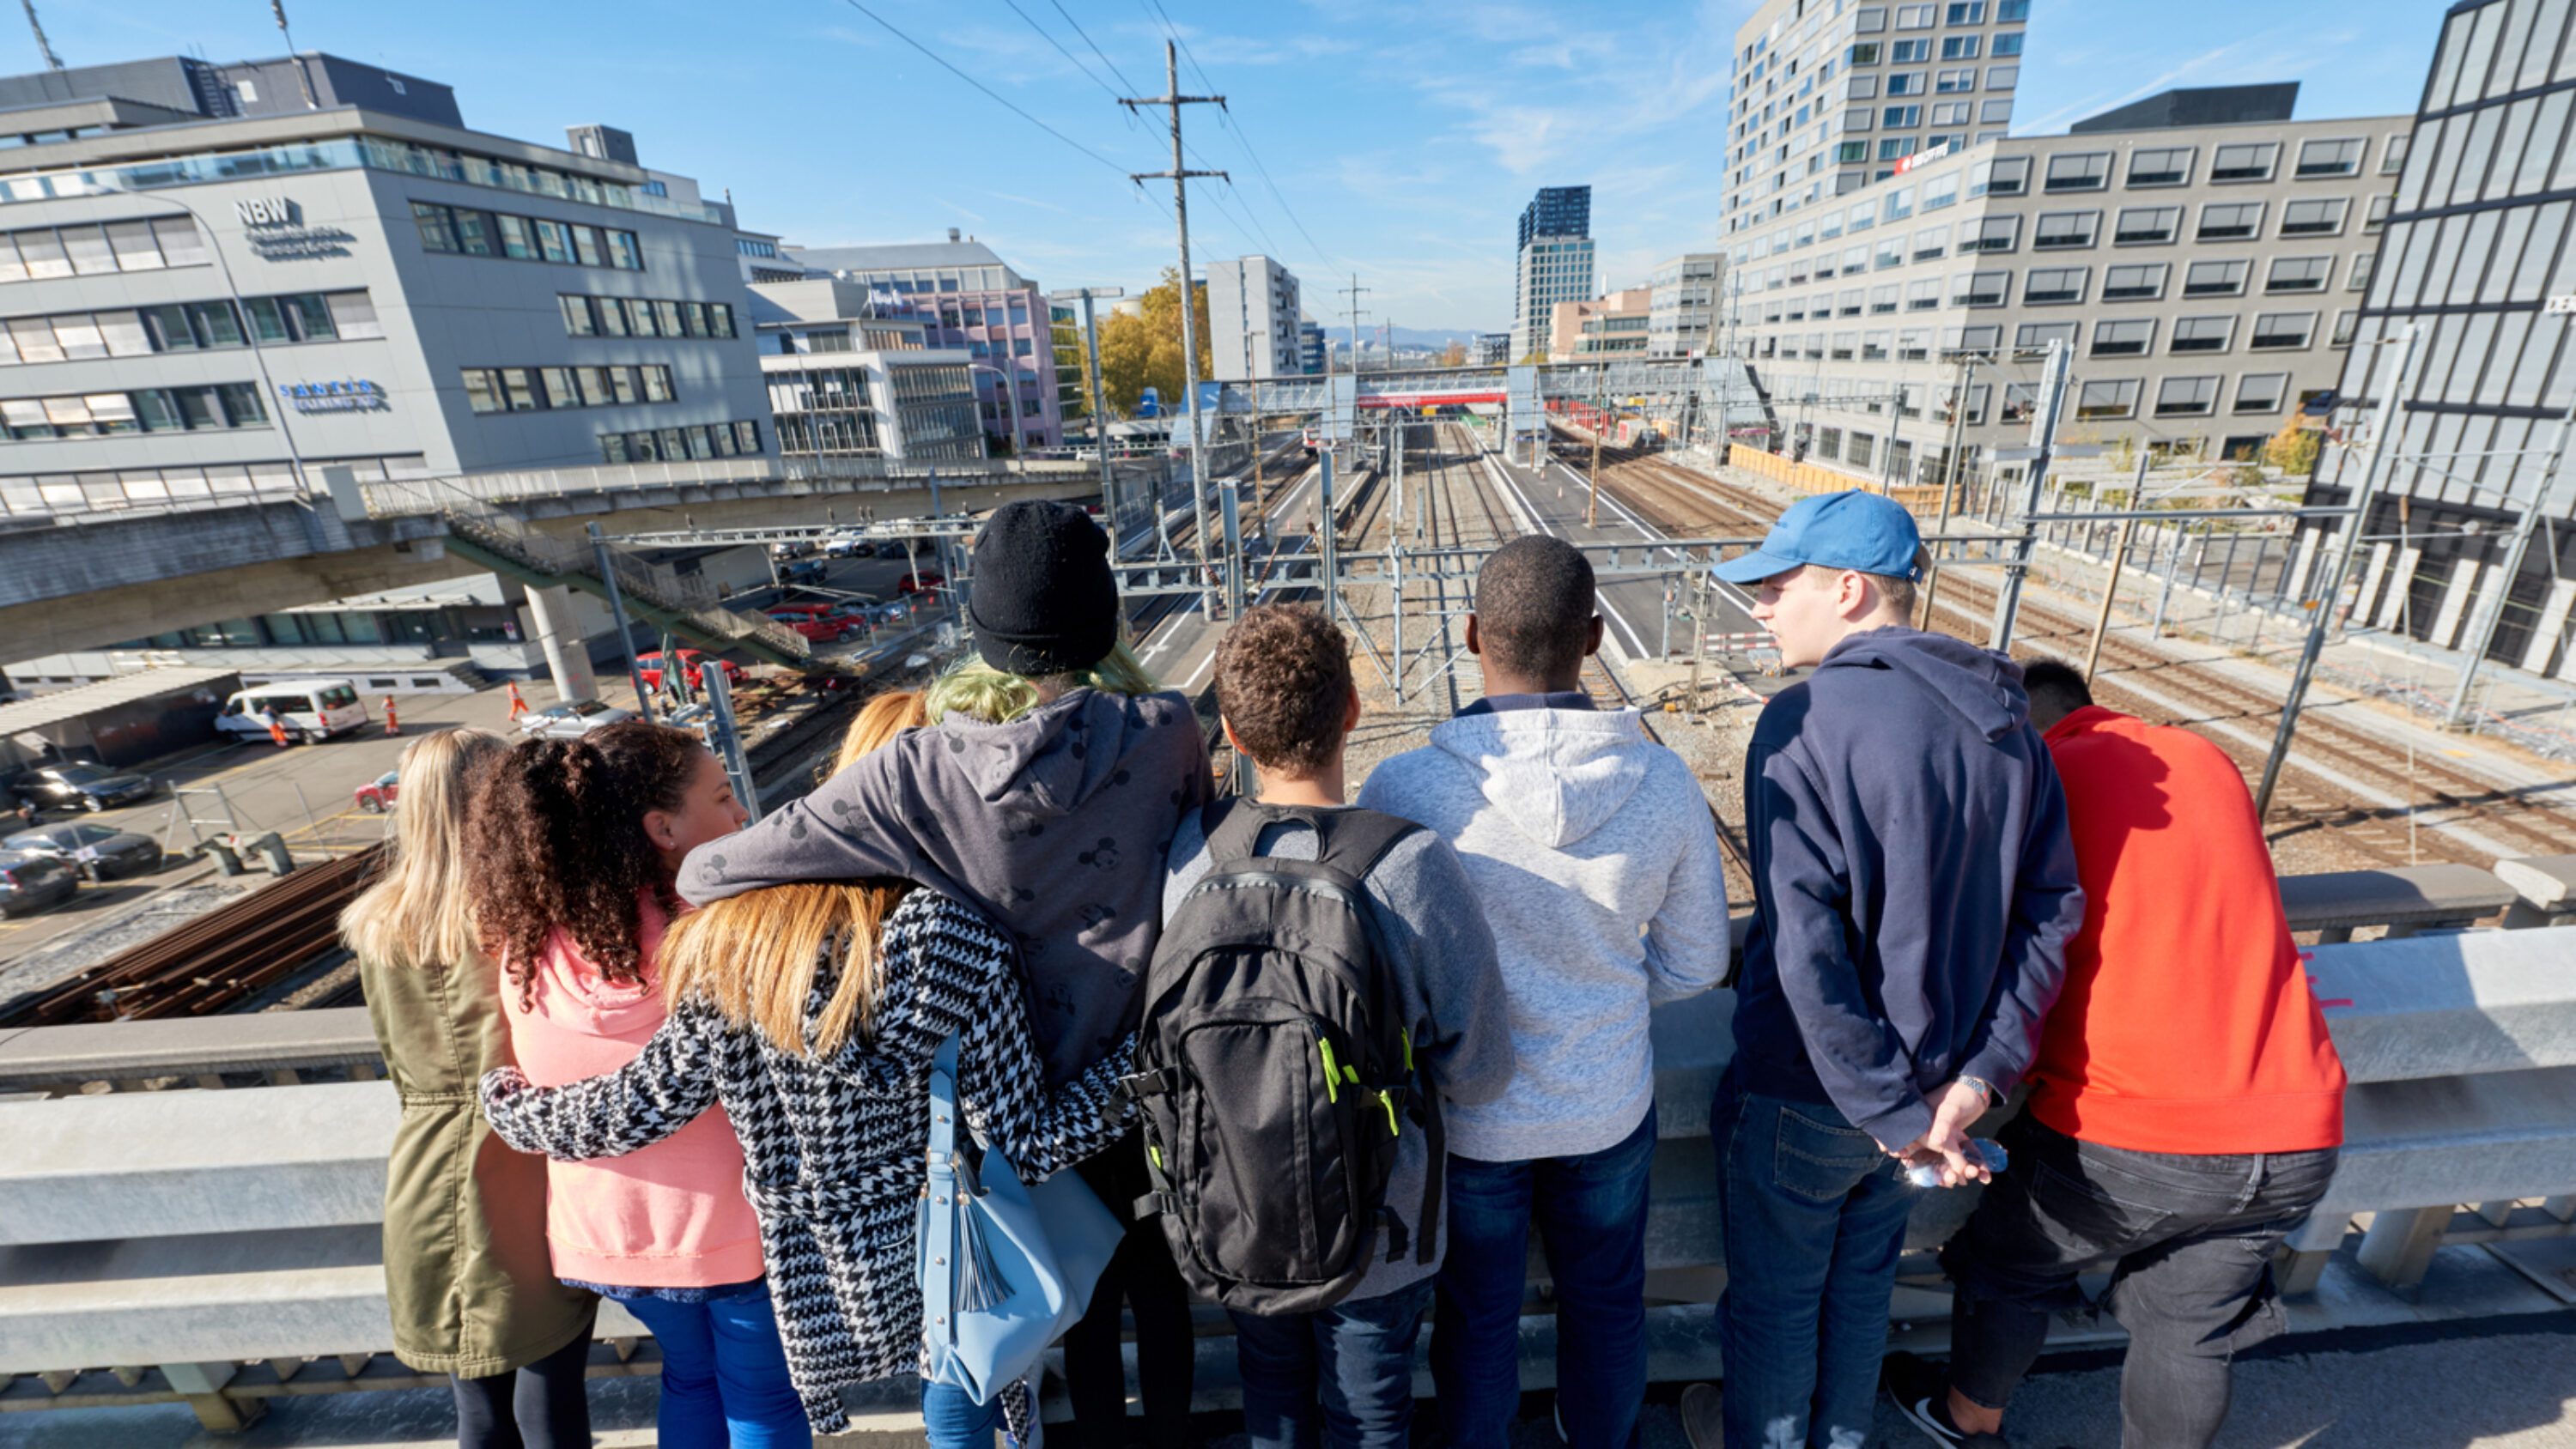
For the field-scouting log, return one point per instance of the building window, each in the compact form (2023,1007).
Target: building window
(2237,221)
(2003,176)
(1847,152)
(2321,216)
(2107,399)
(2329,158)
(2282,331)
(2008,11)
(2378,216)
(2036,336)
(2007,43)
(106,414)
(1990,234)
(1895,148)
(1970,12)
(1907,83)
(1981,289)
(1916,17)
(2064,230)
(2357,277)
(2251,161)
(1873,347)
(2345,322)
(2214,279)
(1909,52)
(2084,171)
(1951,113)
(2147,225)
(1954,83)
(2186,397)
(2261,392)
(1865,53)
(703,440)
(40,253)
(540,389)
(1901,118)
(2202,334)
(2002,77)
(2299,274)
(2129,337)
(1882,300)
(2047,285)
(1960,47)
(2392,154)
(465,231)
(1923,296)
(2144,282)
(2160,166)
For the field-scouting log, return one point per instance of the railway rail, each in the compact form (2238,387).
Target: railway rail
(2136,674)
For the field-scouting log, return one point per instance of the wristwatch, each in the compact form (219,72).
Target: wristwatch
(1985,1089)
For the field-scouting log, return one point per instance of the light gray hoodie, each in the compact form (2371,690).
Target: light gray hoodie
(1596,858)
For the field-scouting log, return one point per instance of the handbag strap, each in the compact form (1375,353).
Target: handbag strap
(943,1101)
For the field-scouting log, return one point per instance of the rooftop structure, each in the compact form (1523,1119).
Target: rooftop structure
(1828,99)
(1557,211)
(2197,106)
(1611,326)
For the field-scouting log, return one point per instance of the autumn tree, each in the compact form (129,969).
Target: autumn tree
(2293,450)
(1143,349)
(1455,355)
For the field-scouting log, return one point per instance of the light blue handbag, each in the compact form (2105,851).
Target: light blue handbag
(1005,1268)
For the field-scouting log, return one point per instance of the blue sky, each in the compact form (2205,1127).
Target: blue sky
(1400,137)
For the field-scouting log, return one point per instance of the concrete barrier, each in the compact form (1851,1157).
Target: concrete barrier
(2405,899)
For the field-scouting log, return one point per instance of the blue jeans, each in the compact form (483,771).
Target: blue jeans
(1814,1219)
(951,1419)
(724,1374)
(1340,1376)
(1591,1213)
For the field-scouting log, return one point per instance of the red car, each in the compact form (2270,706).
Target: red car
(377,795)
(692,664)
(926,581)
(818,622)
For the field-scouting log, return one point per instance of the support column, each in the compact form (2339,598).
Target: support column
(567,653)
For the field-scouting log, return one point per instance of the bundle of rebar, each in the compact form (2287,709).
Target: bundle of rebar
(213,961)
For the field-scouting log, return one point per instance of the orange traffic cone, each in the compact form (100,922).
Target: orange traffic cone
(393,722)
(518,705)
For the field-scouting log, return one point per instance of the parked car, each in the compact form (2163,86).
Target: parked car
(311,709)
(924,581)
(377,795)
(819,626)
(30,882)
(86,787)
(792,548)
(811,571)
(692,665)
(572,721)
(99,852)
(849,545)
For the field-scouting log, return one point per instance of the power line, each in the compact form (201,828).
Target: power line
(1225,114)
(1095,48)
(987,90)
(1059,47)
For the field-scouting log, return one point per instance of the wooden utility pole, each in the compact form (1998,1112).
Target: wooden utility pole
(1592,502)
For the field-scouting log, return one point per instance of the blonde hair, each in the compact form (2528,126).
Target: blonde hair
(417,911)
(979,691)
(754,957)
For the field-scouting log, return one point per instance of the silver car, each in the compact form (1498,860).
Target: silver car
(572,721)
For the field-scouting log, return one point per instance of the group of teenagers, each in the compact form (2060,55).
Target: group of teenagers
(647,1054)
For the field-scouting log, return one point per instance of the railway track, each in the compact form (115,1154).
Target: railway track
(2151,684)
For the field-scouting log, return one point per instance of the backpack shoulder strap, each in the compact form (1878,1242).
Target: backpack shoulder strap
(1232,828)
(1354,841)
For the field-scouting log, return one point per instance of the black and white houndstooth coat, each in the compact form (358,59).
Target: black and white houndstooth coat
(834,1148)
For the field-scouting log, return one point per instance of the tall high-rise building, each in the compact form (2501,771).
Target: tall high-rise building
(1252,320)
(1553,263)
(1557,211)
(2476,245)
(1830,96)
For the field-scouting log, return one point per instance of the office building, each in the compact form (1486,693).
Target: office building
(848,379)
(1314,354)
(1552,263)
(1252,320)
(1611,326)
(1682,313)
(220,279)
(1830,97)
(966,297)
(2474,250)
(1490,349)
(2206,277)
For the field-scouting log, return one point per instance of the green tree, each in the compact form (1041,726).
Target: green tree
(2293,450)
(1143,349)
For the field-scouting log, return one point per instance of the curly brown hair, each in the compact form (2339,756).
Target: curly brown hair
(1283,680)
(556,838)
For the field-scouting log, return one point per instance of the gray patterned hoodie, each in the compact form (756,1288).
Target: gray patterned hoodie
(1054,825)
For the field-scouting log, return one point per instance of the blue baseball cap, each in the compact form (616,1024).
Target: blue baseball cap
(1850,530)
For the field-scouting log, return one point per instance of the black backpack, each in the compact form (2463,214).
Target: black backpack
(1274,1070)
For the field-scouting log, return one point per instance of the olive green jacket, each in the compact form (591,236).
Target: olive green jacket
(466,1271)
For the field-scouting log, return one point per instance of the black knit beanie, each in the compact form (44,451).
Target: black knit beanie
(1043,602)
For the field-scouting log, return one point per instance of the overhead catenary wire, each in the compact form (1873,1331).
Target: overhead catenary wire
(1095,47)
(1225,115)
(1060,50)
(996,96)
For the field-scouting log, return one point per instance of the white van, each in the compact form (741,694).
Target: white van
(311,709)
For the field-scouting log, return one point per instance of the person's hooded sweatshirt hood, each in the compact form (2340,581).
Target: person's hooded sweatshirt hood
(670,1216)
(1914,882)
(1596,860)
(1053,824)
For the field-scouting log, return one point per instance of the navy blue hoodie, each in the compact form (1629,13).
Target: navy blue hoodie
(1913,877)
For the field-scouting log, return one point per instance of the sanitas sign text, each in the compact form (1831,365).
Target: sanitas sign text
(353,396)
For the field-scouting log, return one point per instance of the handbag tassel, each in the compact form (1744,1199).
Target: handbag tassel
(980,1284)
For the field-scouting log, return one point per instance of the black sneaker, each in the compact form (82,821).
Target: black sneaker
(1921,1392)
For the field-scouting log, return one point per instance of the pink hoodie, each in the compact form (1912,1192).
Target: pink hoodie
(670,1216)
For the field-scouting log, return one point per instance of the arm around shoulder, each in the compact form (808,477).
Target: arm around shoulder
(852,825)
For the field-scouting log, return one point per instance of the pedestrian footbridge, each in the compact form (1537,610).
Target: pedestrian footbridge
(189,1210)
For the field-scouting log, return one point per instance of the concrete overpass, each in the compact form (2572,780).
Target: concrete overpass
(88,580)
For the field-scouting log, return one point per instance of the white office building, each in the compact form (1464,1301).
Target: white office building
(1252,320)
(1681,316)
